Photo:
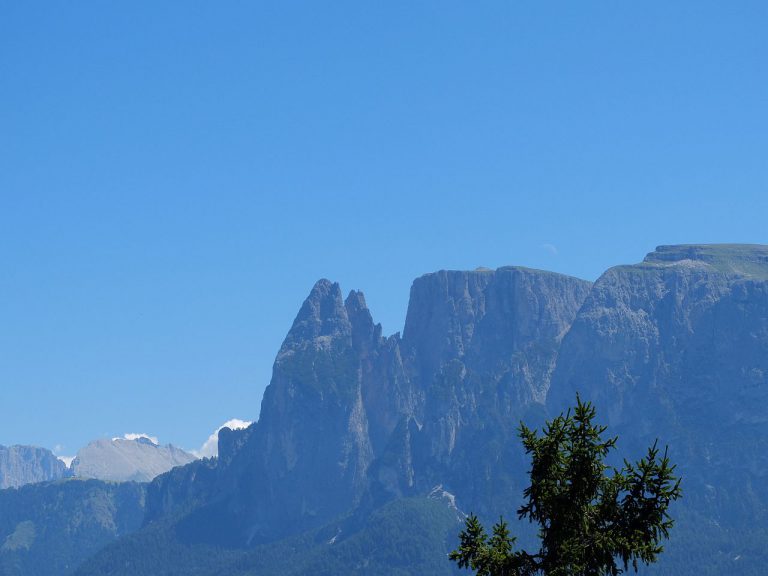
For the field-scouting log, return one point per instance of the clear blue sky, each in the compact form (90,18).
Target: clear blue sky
(175,176)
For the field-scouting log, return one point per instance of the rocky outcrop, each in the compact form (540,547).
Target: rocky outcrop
(123,460)
(680,339)
(20,465)
(337,389)
(676,348)
(504,325)
(482,347)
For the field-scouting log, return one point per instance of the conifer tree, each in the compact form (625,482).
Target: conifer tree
(594,520)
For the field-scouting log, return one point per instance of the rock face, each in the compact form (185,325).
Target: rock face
(20,465)
(681,337)
(314,422)
(307,459)
(505,325)
(679,341)
(482,346)
(122,460)
(352,420)
(676,348)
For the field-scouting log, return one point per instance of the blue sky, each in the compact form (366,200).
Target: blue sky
(175,176)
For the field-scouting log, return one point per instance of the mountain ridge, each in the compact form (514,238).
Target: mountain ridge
(21,464)
(124,460)
(354,422)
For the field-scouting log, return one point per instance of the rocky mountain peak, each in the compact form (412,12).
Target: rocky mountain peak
(313,421)
(364,332)
(20,465)
(121,459)
(322,317)
(355,302)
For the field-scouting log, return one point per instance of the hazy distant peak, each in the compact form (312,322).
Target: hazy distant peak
(134,457)
(67,460)
(145,438)
(20,465)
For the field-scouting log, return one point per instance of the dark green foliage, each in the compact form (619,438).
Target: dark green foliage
(593,519)
(404,537)
(51,528)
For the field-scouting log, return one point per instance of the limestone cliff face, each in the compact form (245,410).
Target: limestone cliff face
(680,337)
(312,446)
(20,465)
(313,414)
(497,331)
(337,392)
(482,346)
(504,324)
(677,348)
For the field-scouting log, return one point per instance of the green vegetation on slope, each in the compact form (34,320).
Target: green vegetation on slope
(404,537)
(51,528)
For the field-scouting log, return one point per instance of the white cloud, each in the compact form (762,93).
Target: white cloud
(137,435)
(551,248)
(66,459)
(211,446)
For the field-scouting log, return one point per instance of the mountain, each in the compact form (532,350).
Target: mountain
(369,449)
(20,465)
(353,422)
(482,347)
(676,348)
(121,459)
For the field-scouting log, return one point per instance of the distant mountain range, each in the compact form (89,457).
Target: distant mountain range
(369,448)
(20,465)
(122,459)
(117,460)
